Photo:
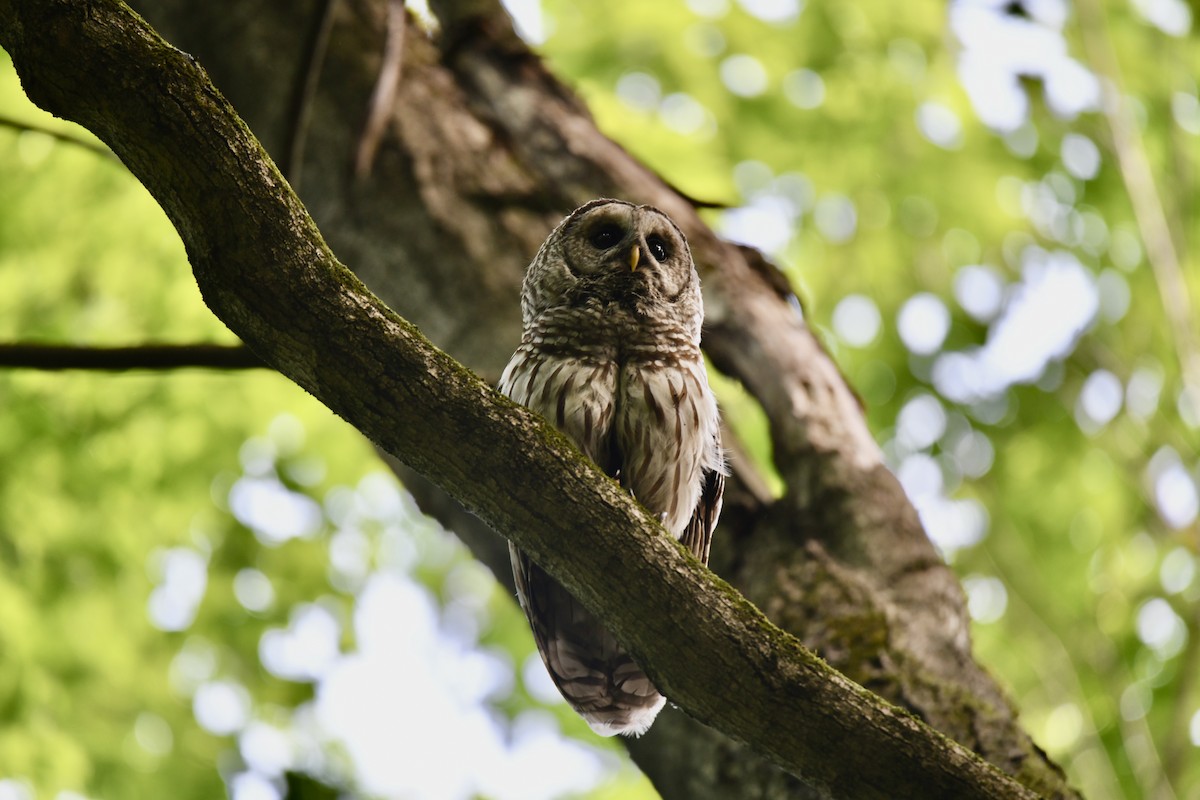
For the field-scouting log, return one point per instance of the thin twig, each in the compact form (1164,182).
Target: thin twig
(383,97)
(1144,196)
(119,359)
(305,91)
(95,147)
(1176,747)
(1059,673)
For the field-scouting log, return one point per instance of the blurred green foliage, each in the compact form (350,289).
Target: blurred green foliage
(846,131)
(101,474)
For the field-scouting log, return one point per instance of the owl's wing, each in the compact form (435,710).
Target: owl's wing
(697,536)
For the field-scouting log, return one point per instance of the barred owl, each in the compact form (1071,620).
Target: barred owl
(610,355)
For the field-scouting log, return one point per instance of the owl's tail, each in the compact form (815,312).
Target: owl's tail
(593,672)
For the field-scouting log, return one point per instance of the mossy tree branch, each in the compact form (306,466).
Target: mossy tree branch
(264,269)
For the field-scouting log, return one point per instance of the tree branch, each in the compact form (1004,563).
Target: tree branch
(118,359)
(264,269)
(18,125)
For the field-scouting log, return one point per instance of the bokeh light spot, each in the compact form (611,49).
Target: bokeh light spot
(174,602)
(253,590)
(1185,107)
(275,513)
(1176,497)
(153,734)
(987,598)
(923,323)
(1080,156)
(773,11)
(15,789)
(1143,392)
(221,707)
(1063,727)
(744,75)
(529,19)
(856,320)
(712,9)
(306,649)
(1160,628)
(836,218)
(266,749)
(1172,17)
(639,90)
(1115,295)
(537,681)
(1099,401)
(979,289)
(252,786)
(921,422)
(804,88)
(1178,570)
(683,114)
(940,125)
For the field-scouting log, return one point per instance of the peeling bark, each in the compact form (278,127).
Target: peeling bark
(484,152)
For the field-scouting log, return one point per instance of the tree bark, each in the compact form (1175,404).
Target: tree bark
(484,152)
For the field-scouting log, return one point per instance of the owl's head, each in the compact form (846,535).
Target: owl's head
(609,253)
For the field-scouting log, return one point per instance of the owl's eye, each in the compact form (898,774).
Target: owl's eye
(658,248)
(605,236)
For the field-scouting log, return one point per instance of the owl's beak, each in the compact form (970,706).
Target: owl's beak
(635,253)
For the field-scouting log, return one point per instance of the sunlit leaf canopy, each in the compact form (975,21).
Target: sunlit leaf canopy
(208,579)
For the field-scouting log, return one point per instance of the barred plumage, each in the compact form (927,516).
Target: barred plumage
(611,356)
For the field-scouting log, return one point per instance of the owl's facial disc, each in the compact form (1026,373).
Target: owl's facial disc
(631,255)
(600,241)
(664,258)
